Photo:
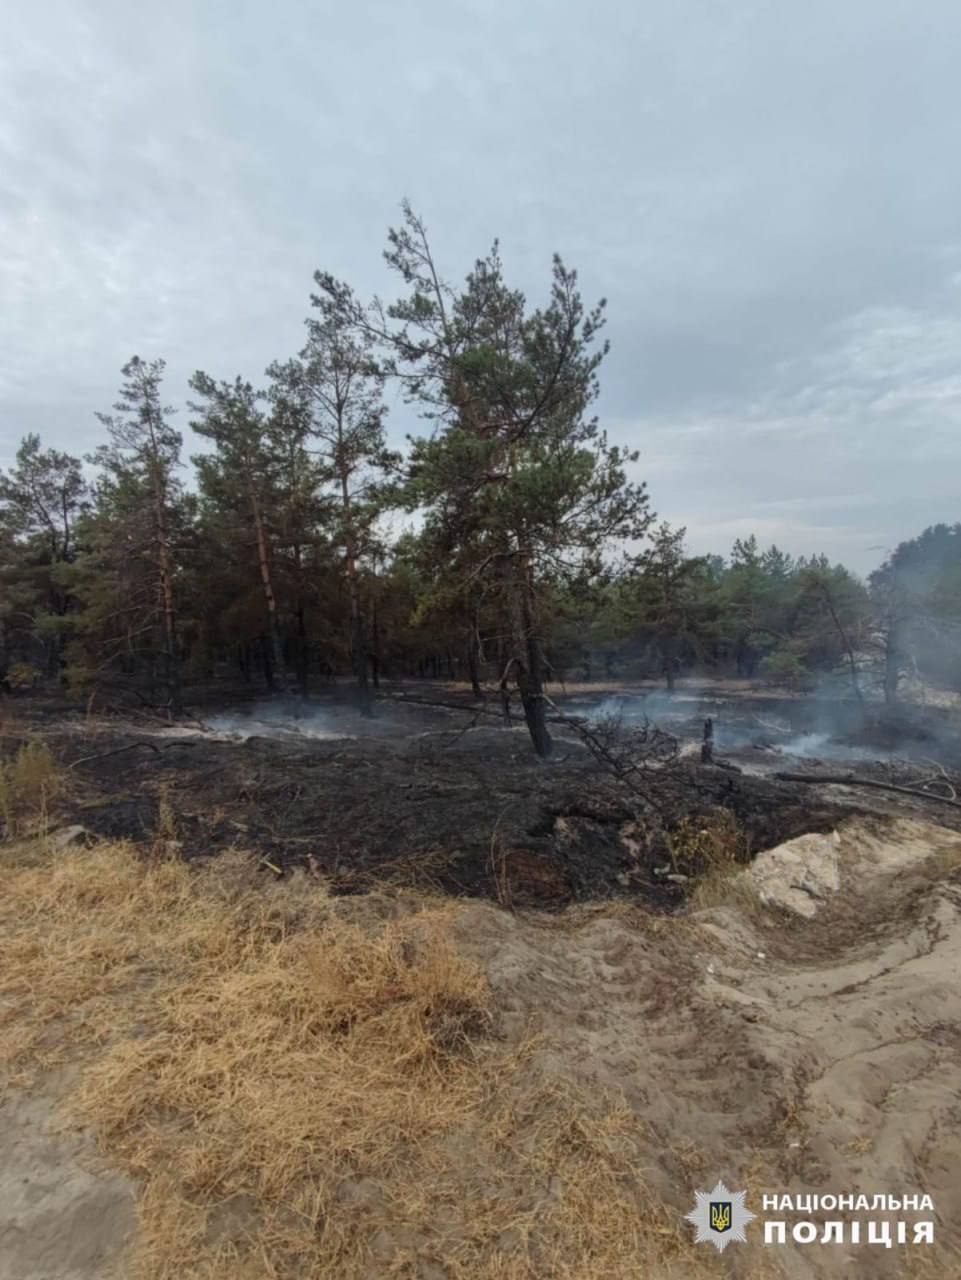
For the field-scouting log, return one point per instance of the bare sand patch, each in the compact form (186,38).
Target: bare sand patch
(65,1215)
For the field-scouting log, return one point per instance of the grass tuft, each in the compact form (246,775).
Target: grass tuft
(28,783)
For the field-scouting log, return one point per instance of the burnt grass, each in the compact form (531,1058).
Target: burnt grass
(444,802)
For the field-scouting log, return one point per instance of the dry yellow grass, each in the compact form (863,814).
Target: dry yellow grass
(306,1087)
(711,841)
(29,780)
(713,850)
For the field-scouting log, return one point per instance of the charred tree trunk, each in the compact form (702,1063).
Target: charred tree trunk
(358,628)
(473,657)
(358,656)
(668,658)
(527,659)
(845,644)
(504,663)
(303,643)
(746,659)
(375,644)
(265,659)
(532,699)
(165,564)
(303,657)
(263,561)
(358,635)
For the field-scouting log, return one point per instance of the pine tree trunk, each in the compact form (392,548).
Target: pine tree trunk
(172,657)
(846,645)
(358,635)
(473,658)
(303,666)
(528,660)
(358,629)
(667,657)
(358,655)
(267,664)
(375,646)
(263,561)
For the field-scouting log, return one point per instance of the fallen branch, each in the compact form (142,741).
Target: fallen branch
(460,733)
(103,755)
(940,780)
(434,702)
(116,752)
(851,780)
(469,708)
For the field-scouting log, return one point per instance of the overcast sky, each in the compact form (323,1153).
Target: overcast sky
(768,194)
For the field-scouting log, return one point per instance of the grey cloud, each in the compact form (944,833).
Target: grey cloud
(766,194)
(849,450)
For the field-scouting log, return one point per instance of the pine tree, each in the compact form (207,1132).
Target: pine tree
(335,388)
(128,577)
(671,598)
(41,498)
(523,479)
(239,480)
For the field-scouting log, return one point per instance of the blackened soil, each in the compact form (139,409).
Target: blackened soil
(463,811)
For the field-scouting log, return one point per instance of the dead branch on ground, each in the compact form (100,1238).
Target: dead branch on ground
(150,746)
(852,780)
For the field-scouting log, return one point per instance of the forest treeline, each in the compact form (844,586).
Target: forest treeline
(506,545)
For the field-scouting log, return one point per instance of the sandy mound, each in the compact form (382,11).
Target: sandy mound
(803,873)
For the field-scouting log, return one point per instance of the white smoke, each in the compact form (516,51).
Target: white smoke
(281,720)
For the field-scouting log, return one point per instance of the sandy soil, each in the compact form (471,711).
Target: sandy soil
(63,1214)
(820,1047)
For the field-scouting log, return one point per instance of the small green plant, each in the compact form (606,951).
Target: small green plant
(28,782)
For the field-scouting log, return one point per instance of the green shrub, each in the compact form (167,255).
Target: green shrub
(786,669)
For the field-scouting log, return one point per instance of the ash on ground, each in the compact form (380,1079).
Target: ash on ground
(447,797)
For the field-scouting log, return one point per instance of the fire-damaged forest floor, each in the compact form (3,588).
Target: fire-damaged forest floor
(444,797)
(280,1002)
(475,817)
